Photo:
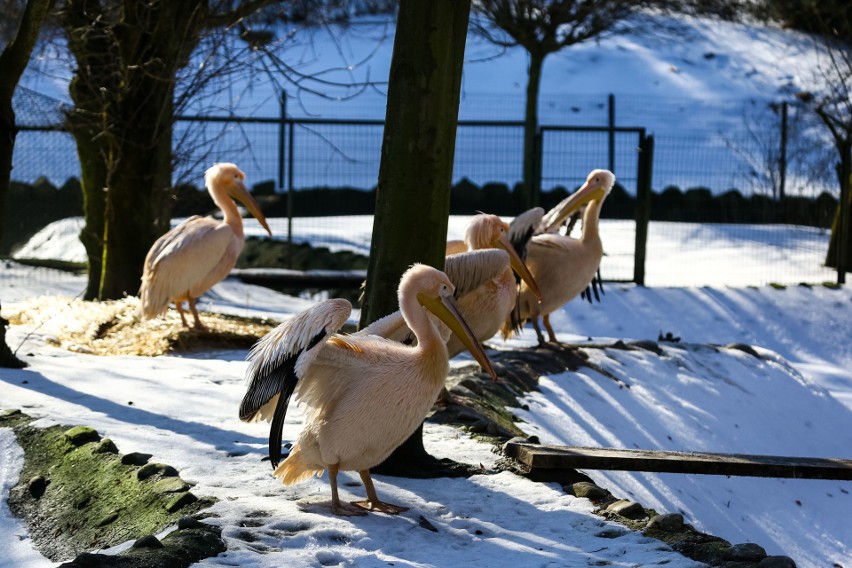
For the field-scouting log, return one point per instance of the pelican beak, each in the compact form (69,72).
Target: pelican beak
(591,191)
(517,264)
(243,196)
(447,310)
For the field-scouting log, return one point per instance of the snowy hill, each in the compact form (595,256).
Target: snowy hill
(701,87)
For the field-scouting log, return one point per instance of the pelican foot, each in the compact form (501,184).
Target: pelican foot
(347,510)
(380,506)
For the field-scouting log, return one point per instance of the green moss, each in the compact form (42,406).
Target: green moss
(90,499)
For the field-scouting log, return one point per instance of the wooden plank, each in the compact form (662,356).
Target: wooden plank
(282,277)
(568,457)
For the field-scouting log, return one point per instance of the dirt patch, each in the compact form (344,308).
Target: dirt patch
(112,327)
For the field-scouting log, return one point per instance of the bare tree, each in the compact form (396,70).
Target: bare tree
(543,27)
(831,100)
(129,58)
(834,108)
(415,173)
(13,61)
(776,167)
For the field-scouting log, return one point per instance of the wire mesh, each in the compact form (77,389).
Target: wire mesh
(702,153)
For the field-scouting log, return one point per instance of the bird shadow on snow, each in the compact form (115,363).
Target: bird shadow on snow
(203,433)
(450,522)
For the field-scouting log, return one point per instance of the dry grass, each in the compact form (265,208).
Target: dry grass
(112,328)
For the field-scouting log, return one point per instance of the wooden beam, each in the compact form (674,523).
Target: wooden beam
(568,457)
(281,277)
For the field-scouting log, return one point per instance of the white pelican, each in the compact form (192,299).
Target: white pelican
(365,394)
(563,266)
(191,258)
(486,288)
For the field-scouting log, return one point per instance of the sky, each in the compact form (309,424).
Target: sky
(796,400)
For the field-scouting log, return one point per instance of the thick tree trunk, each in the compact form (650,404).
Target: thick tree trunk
(123,92)
(415,174)
(7,357)
(13,61)
(840,242)
(530,186)
(8,132)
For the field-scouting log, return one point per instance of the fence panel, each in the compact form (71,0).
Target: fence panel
(568,154)
(739,148)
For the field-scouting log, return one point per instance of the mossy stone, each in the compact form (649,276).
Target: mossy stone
(669,522)
(588,490)
(150,469)
(747,551)
(149,541)
(135,458)
(629,509)
(105,446)
(80,435)
(181,501)
(37,486)
(108,519)
(93,497)
(171,485)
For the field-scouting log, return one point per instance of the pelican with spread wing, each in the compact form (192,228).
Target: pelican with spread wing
(365,394)
(194,256)
(563,266)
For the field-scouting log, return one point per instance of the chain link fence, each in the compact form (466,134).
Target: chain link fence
(730,184)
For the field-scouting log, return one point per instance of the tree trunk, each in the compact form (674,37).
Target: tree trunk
(530,186)
(8,133)
(13,61)
(123,91)
(840,242)
(415,174)
(7,357)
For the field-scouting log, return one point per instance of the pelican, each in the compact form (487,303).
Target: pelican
(365,394)
(485,285)
(563,266)
(191,258)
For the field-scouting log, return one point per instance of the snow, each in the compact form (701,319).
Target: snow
(795,400)
(697,85)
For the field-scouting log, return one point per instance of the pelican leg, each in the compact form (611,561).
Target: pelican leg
(372,503)
(179,306)
(338,507)
(538,333)
(546,321)
(198,324)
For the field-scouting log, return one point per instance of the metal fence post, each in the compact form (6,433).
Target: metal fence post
(782,158)
(538,149)
(643,205)
(290,164)
(611,101)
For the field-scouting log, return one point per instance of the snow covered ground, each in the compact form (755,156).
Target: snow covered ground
(678,254)
(796,400)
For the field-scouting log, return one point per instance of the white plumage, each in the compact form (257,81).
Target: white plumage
(364,394)
(191,258)
(562,266)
